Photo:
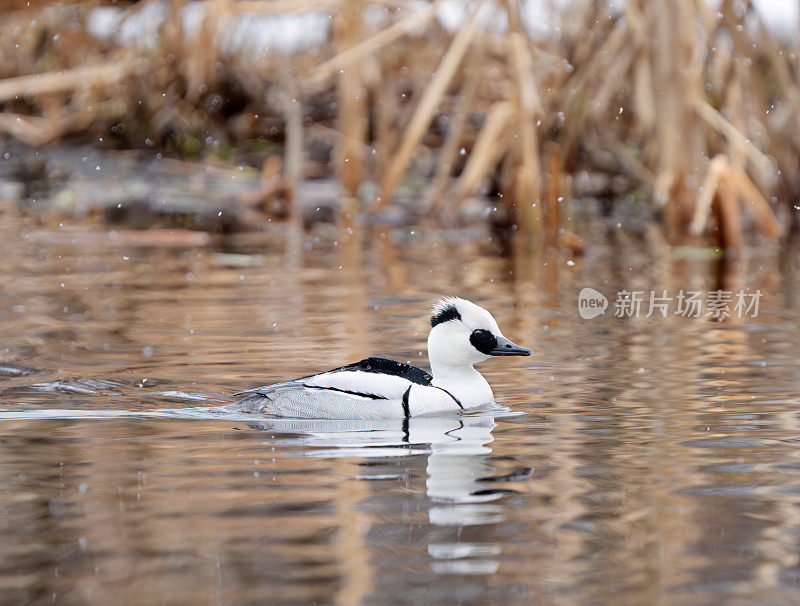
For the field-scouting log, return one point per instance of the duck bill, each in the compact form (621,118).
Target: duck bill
(507,348)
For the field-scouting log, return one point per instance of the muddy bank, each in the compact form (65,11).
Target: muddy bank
(147,189)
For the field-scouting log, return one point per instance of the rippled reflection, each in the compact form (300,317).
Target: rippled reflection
(654,460)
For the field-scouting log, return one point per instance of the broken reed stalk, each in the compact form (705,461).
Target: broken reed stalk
(719,123)
(293,173)
(576,89)
(527,175)
(764,218)
(386,109)
(488,148)
(728,216)
(716,168)
(452,142)
(352,105)
(674,78)
(724,182)
(202,63)
(33,130)
(643,93)
(427,105)
(63,81)
(344,59)
(283,6)
(552,208)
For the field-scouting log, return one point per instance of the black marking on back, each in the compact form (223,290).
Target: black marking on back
(483,340)
(445,314)
(385,366)
(455,399)
(371,396)
(406,395)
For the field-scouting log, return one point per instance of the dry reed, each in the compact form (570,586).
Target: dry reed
(698,107)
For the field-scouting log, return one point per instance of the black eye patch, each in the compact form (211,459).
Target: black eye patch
(483,341)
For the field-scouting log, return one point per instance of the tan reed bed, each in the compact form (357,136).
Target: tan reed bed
(697,107)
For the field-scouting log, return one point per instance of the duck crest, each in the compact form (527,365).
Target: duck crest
(444,311)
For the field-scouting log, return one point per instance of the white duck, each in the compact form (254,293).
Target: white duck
(462,334)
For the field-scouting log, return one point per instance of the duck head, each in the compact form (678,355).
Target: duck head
(463,333)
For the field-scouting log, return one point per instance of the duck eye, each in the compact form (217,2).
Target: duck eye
(483,340)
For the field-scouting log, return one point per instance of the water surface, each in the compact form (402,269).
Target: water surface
(646,461)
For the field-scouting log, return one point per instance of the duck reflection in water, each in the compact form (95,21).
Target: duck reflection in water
(461,481)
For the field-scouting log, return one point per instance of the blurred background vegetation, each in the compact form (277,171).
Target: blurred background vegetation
(684,112)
